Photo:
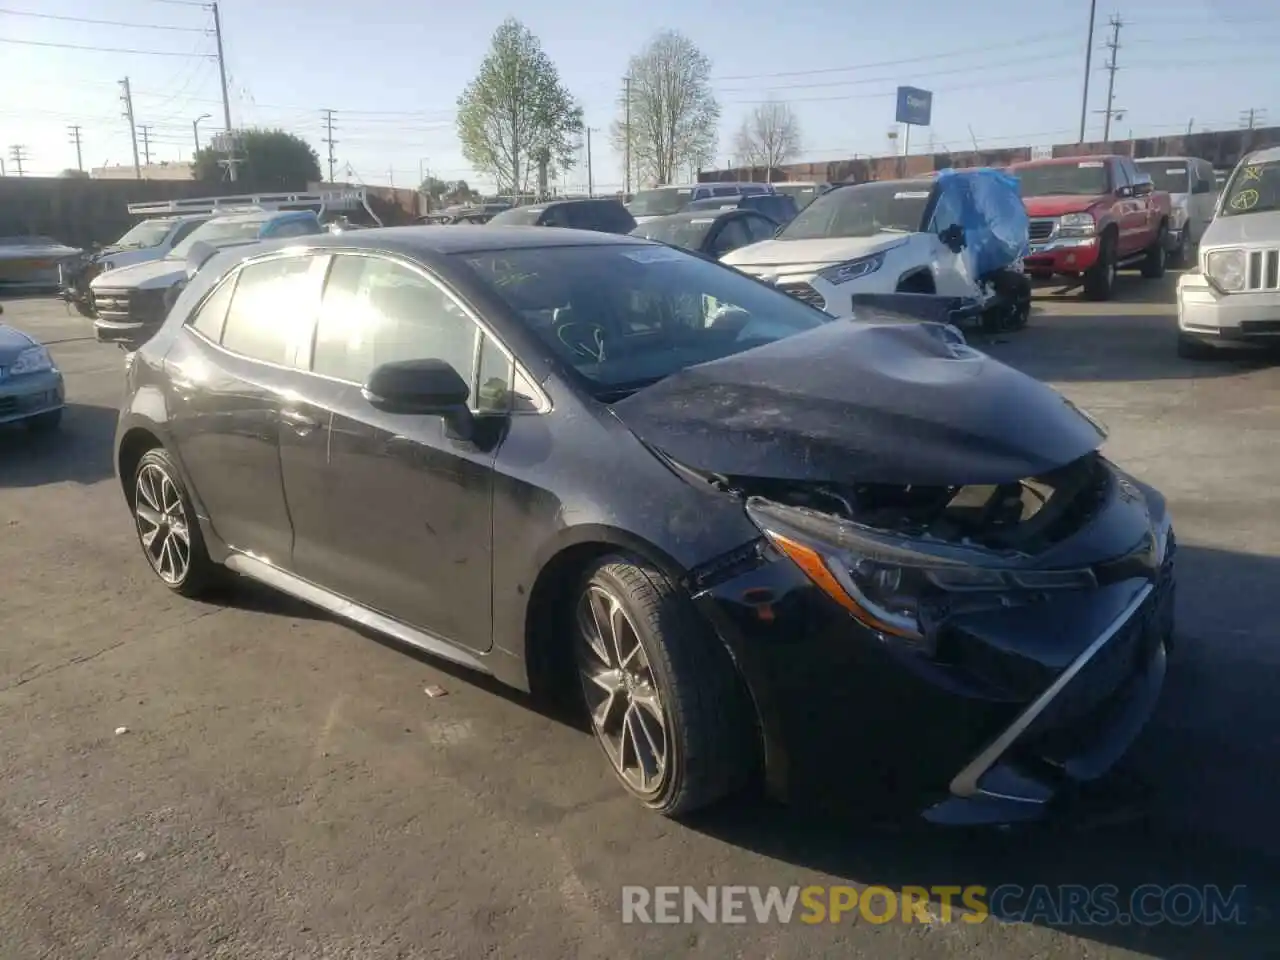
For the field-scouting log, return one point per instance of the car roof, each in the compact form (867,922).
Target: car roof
(1062,161)
(563,201)
(913,183)
(1163,159)
(439,239)
(707,214)
(263,216)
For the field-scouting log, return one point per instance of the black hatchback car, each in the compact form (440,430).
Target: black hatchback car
(710,232)
(755,539)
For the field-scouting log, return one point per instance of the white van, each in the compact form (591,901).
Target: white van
(1191,185)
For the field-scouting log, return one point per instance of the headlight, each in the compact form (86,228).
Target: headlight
(853,270)
(1077,225)
(31,360)
(894,585)
(1225,270)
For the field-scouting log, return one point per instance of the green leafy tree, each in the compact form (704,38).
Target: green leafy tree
(516,109)
(270,160)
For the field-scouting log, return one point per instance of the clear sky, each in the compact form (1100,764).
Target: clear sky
(1003,72)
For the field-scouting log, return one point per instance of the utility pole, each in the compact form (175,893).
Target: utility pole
(1113,45)
(18,153)
(626,85)
(126,97)
(591,186)
(74,130)
(1250,118)
(226,99)
(1088,66)
(146,144)
(328,138)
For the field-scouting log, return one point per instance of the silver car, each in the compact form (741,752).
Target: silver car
(1233,296)
(31,389)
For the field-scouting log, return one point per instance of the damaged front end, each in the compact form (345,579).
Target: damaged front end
(999,641)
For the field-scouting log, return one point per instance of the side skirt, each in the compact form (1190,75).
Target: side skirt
(308,592)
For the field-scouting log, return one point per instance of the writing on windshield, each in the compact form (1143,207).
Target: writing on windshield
(1254,188)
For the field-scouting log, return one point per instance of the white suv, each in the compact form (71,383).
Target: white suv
(1232,297)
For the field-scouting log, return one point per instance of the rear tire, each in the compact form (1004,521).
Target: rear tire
(1180,256)
(167,527)
(1100,279)
(1154,263)
(663,697)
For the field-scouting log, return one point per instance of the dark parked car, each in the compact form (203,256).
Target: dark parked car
(755,537)
(710,232)
(602,214)
(776,206)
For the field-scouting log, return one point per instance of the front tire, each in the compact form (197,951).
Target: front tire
(663,697)
(168,530)
(1154,263)
(1100,279)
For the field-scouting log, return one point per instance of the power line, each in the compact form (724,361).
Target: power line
(101,23)
(1038,38)
(889,94)
(76,46)
(1251,117)
(146,144)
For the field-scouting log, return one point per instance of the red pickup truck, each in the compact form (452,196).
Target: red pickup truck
(1091,216)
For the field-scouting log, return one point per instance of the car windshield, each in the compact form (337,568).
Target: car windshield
(802,194)
(1167,175)
(626,315)
(862,211)
(1253,188)
(218,233)
(687,232)
(518,217)
(1084,178)
(149,233)
(661,202)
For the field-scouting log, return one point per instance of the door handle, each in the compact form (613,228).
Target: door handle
(299,422)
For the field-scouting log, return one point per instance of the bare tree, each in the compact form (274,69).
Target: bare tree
(673,114)
(768,137)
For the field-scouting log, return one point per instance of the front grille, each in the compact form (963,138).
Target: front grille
(1264,270)
(129,305)
(802,291)
(1040,230)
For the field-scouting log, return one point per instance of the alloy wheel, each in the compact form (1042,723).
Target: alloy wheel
(621,694)
(162,524)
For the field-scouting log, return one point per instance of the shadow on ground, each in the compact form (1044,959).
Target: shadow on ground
(79,452)
(1192,804)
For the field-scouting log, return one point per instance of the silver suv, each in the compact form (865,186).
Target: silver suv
(1233,297)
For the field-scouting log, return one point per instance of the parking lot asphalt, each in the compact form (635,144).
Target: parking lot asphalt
(283,787)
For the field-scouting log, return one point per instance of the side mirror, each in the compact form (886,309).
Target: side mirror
(1143,185)
(422,387)
(953,237)
(1124,192)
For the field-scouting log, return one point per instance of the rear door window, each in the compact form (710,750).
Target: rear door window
(210,315)
(272,308)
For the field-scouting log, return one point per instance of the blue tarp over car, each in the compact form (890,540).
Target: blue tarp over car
(987,205)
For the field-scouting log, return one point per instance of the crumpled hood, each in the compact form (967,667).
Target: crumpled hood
(856,402)
(154,274)
(1057,205)
(807,256)
(12,343)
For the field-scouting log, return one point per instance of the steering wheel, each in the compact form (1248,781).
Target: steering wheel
(584,339)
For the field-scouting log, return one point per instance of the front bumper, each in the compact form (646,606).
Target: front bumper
(30,395)
(1029,702)
(1061,256)
(1235,318)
